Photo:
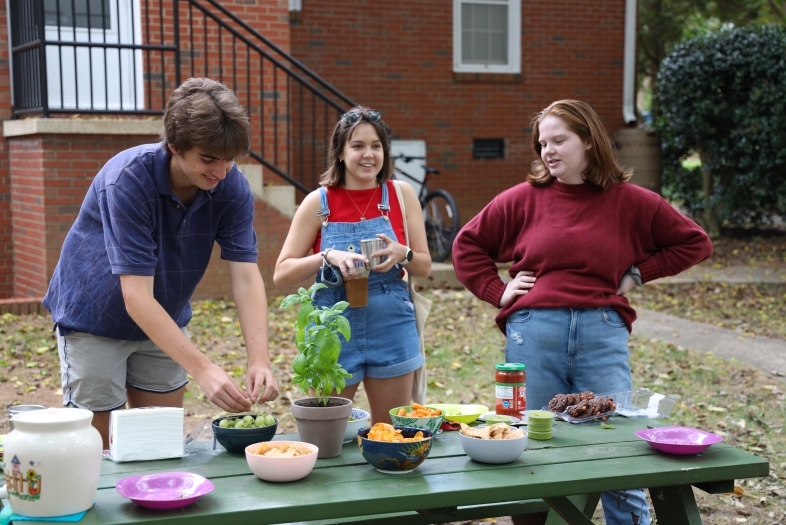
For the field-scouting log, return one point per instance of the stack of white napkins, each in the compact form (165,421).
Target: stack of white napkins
(141,434)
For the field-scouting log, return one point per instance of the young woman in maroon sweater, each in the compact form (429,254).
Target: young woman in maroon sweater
(579,236)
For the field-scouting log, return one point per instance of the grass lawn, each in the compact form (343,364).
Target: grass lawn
(753,309)
(463,344)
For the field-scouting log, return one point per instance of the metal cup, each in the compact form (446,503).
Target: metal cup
(12,411)
(369,246)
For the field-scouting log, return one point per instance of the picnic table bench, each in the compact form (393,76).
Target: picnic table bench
(564,475)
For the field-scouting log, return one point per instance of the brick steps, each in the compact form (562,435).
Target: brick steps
(22,305)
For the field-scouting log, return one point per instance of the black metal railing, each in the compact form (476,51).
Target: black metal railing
(124,57)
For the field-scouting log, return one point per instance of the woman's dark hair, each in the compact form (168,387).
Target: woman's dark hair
(602,168)
(205,114)
(335,175)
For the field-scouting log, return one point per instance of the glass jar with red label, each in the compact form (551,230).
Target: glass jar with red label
(511,389)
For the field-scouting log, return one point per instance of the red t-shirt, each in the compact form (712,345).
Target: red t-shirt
(346,206)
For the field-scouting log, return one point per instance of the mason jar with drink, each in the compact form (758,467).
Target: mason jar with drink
(357,287)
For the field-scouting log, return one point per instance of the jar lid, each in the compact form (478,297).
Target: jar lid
(511,367)
(54,416)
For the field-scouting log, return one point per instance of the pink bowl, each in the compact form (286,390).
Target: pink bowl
(683,441)
(165,490)
(282,469)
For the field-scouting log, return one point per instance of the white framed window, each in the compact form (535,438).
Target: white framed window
(75,14)
(487,36)
(86,77)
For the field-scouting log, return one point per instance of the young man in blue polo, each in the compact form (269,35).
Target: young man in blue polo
(120,294)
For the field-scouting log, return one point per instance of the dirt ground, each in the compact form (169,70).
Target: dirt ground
(743,507)
(30,374)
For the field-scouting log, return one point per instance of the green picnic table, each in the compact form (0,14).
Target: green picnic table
(564,475)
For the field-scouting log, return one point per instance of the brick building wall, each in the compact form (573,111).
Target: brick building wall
(398,57)
(51,175)
(41,195)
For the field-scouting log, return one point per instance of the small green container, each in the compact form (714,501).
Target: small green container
(539,416)
(540,436)
(540,422)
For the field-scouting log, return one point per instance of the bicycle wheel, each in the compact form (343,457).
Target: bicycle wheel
(440,214)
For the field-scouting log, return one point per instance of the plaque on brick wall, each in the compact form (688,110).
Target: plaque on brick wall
(488,148)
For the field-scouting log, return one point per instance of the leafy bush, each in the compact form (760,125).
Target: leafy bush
(723,95)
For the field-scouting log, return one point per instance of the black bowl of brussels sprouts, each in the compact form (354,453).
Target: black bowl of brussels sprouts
(236,431)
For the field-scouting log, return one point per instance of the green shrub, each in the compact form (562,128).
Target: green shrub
(723,95)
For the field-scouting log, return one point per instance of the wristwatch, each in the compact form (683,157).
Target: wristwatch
(635,274)
(408,257)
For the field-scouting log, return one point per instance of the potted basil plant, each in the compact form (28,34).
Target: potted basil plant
(321,418)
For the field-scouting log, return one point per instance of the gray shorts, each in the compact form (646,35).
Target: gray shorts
(95,371)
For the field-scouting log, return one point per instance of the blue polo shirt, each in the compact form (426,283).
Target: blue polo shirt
(131,223)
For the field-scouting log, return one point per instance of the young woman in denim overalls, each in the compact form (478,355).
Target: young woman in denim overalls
(357,201)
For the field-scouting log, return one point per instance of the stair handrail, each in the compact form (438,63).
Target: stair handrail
(276,61)
(316,78)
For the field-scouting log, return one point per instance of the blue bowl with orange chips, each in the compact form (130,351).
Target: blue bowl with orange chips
(396,457)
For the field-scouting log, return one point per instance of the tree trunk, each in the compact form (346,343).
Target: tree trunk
(711,224)
(778,8)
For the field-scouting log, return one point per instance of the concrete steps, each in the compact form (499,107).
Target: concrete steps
(442,276)
(278,197)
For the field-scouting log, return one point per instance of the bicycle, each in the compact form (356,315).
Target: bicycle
(440,213)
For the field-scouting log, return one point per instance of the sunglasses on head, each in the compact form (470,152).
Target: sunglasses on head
(350,117)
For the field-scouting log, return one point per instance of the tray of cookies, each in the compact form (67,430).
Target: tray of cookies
(582,407)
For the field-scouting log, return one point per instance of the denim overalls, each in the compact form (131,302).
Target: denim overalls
(384,341)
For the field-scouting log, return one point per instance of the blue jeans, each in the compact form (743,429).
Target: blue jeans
(572,350)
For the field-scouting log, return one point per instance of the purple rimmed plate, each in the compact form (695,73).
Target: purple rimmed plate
(165,490)
(683,441)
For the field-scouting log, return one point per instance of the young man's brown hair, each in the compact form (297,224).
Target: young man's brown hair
(205,114)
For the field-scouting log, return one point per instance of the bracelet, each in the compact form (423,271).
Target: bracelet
(324,257)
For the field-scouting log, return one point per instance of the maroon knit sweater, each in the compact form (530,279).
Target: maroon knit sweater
(579,240)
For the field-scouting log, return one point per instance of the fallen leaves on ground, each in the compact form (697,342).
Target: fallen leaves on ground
(762,248)
(751,309)
(463,345)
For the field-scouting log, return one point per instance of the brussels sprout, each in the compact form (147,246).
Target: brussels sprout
(248,421)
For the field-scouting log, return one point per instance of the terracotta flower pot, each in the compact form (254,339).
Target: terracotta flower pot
(323,426)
